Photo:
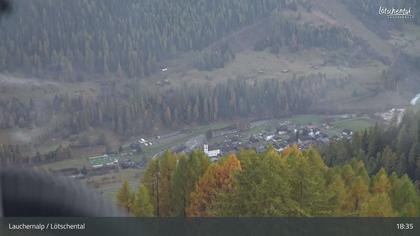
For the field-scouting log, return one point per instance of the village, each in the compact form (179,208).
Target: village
(221,139)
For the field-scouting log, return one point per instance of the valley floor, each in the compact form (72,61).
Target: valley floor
(302,130)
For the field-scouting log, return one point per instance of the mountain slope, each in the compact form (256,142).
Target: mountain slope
(130,38)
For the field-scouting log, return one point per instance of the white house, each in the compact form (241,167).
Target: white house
(211,153)
(269,137)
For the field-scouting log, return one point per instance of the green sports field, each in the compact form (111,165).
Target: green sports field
(100,161)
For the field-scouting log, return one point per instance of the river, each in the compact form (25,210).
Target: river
(415,99)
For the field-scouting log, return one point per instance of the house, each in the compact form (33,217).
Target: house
(127,164)
(253,139)
(213,154)
(269,137)
(346,132)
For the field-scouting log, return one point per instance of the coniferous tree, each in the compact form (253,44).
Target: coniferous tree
(142,206)
(379,205)
(125,197)
(291,183)
(217,179)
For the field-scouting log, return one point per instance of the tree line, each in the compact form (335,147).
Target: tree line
(138,110)
(11,155)
(247,184)
(69,39)
(396,147)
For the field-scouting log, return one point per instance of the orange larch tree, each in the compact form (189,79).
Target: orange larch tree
(217,179)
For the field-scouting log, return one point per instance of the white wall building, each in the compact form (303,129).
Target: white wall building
(211,153)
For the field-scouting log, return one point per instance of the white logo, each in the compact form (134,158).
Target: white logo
(396,13)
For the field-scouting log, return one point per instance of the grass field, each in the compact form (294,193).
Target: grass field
(306,119)
(70,163)
(108,185)
(260,65)
(183,137)
(353,124)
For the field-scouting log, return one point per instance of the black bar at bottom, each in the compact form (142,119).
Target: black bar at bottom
(209,226)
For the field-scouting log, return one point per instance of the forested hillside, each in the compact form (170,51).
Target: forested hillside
(286,31)
(127,38)
(395,148)
(139,110)
(291,183)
